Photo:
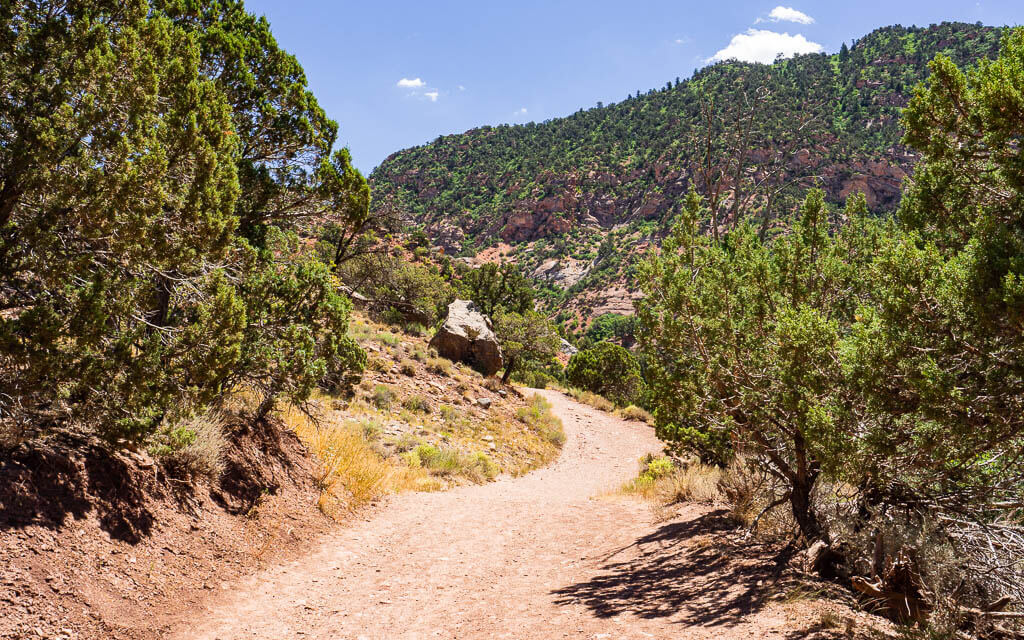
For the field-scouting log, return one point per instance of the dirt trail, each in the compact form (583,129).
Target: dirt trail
(541,556)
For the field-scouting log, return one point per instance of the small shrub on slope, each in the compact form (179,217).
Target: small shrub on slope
(537,415)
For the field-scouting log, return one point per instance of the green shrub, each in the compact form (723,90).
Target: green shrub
(534,379)
(414,329)
(449,413)
(609,370)
(477,467)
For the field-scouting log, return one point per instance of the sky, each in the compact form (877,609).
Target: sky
(396,74)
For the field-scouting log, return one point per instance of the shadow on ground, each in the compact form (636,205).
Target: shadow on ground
(698,571)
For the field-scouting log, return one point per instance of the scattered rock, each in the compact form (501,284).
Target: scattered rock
(467,336)
(484,403)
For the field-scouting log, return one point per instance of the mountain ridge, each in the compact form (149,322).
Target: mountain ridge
(557,190)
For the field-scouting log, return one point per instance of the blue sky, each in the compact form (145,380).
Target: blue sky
(397,74)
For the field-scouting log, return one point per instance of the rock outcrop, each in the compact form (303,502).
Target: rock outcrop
(467,336)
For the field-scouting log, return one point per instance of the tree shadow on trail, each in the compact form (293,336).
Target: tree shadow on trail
(698,571)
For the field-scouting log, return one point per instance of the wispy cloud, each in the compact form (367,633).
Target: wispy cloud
(683,40)
(761,45)
(414,83)
(432,95)
(787,14)
(520,112)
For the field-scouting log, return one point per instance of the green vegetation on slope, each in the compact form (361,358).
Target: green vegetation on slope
(769,130)
(870,370)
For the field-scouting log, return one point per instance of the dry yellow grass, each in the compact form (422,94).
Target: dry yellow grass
(592,399)
(635,413)
(349,472)
(745,493)
(661,480)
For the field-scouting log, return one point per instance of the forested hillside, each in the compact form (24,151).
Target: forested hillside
(751,138)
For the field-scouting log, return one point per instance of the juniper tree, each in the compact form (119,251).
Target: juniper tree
(742,337)
(117,193)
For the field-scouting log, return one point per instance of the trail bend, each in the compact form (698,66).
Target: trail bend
(550,554)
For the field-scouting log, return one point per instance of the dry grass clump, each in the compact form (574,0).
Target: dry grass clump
(383,397)
(349,472)
(746,493)
(417,403)
(192,449)
(694,482)
(537,415)
(407,368)
(592,399)
(440,366)
(635,413)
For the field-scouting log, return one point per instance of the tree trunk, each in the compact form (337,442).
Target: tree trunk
(267,404)
(509,368)
(800,500)
(803,479)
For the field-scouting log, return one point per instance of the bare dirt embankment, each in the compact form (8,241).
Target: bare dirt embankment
(101,544)
(552,554)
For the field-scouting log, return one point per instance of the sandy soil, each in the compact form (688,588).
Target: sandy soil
(552,554)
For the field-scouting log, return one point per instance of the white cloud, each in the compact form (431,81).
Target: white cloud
(683,40)
(789,14)
(521,112)
(761,45)
(432,95)
(415,83)
(462,88)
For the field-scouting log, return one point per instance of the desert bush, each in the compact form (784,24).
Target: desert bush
(414,329)
(382,397)
(482,467)
(192,449)
(477,467)
(449,413)
(609,370)
(492,384)
(418,403)
(407,368)
(534,379)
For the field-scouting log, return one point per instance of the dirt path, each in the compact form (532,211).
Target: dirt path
(542,556)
